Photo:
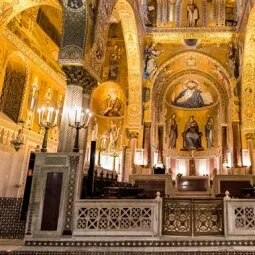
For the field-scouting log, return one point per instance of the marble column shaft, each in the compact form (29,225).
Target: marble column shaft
(78,82)
(73,100)
(159,13)
(171,12)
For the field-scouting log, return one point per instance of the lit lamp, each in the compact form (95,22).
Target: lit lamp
(46,120)
(78,120)
(18,142)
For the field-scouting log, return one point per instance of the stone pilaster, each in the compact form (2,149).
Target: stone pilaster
(133,137)
(250,143)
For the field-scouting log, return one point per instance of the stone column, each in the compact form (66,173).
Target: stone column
(84,132)
(250,143)
(78,81)
(89,83)
(147,143)
(237,145)
(171,12)
(159,13)
(164,12)
(73,100)
(133,137)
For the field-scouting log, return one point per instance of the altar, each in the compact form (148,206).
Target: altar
(193,186)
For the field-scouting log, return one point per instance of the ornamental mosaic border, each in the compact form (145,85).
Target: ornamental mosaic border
(175,243)
(127,252)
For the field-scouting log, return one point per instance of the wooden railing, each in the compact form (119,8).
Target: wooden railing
(192,217)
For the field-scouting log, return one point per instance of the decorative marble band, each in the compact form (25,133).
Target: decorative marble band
(142,243)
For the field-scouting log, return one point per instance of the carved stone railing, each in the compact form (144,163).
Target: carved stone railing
(240,217)
(117,217)
(192,217)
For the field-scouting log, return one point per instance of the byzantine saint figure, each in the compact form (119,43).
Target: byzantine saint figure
(114,62)
(94,130)
(191,135)
(32,103)
(151,55)
(209,132)
(173,132)
(103,144)
(113,136)
(233,60)
(192,14)
(112,106)
(190,97)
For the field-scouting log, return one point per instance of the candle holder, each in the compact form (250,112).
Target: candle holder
(79,121)
(114,155)
(46,121)
(18,142)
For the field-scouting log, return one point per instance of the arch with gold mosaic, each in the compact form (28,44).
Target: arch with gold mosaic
(130,32)
(10,8)
(248,77)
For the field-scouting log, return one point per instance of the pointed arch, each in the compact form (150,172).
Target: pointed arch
(130,32)
(192,62)
(10,8)
(248,77)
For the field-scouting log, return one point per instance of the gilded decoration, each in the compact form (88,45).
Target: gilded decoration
(248,77)
(9,9)
(12,94)
(33,57)
(96,53)
(185,130)
(159,90)
(108,103)
(192,94)
(191,114)
(74,32)
(130,32)
(190,97)
(108,100)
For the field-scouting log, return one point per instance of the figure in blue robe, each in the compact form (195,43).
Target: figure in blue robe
(190,97)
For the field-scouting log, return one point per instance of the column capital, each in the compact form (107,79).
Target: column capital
(250,136)
(132,133)
(76,75)
(147,124)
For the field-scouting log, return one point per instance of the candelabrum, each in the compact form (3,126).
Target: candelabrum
(48,118)
(78,120)
(18,142)
(114,155)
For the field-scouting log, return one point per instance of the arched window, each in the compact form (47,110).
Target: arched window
(13,87)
